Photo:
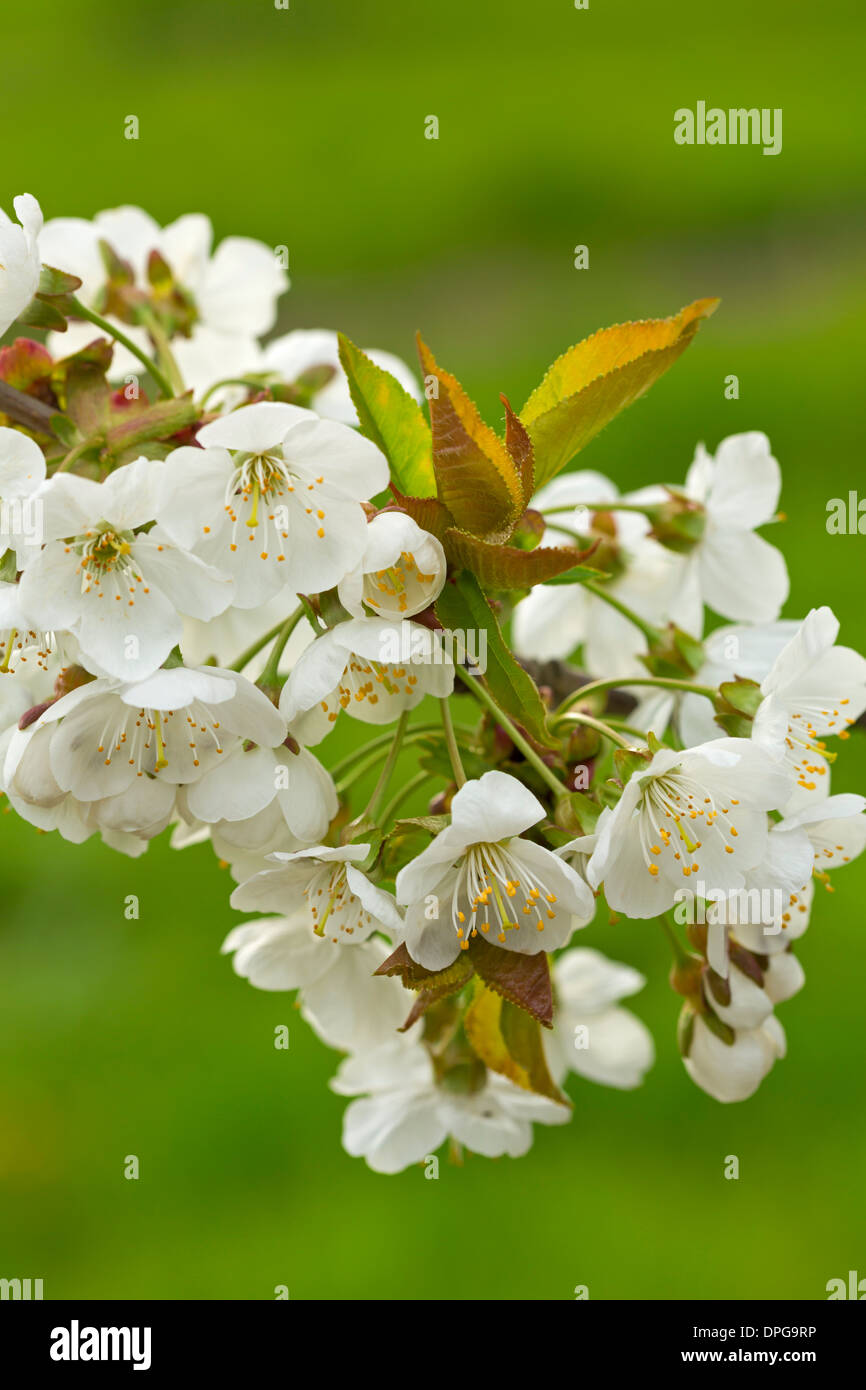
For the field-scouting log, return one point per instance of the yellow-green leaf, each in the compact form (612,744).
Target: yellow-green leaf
(508,1040)
(394,422)
(600,376)
(476,477)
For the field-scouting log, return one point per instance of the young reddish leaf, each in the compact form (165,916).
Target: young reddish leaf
(440,986)
(98,352)
(462,607)
(476,478)
(519,445)
(24,363)
(427,511)
(392,420)
(523,980)
(501,567)
(415,976)
(600,376)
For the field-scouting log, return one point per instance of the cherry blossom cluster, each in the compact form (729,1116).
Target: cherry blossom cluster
(224,555)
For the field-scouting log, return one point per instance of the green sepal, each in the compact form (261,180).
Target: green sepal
(742,695)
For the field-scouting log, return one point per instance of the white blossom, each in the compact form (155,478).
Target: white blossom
(120,589)
(273,498)
(20,262)
(480,875)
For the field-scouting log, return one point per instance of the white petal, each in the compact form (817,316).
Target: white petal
(240,287)
(310,802)
(255,429)
(493,808)
(22,464)
(343,457)
(746,482)
(742,575)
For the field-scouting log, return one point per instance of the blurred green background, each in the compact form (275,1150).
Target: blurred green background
(305,127)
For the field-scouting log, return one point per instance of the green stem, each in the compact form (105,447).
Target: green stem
(601,728)
(651,633)
(417,731)
(413,785)
(231,381)
(614,506)
(163,351)
(517,738)
(620,682)
(312,616)
(362,766)
(246,657)
(581,540)
(81,311)
(451,743)
(271,671)
(616,723)
(680,954)
(387,767)
(75,454)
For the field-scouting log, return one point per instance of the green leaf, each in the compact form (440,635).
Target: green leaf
(392,420)
(462,607)
(476,477)
(588,385)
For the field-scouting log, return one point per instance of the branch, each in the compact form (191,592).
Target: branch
(564,680)
(26,410)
